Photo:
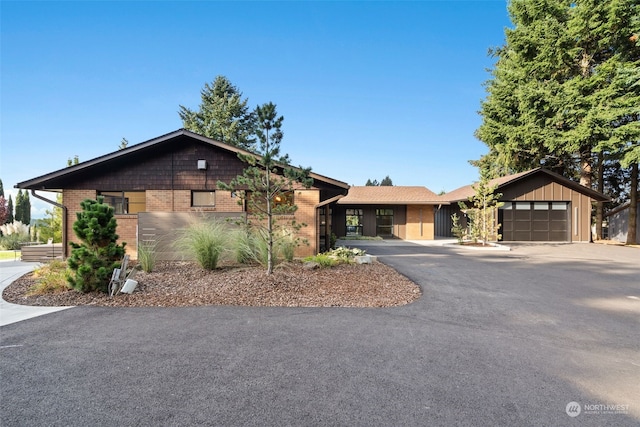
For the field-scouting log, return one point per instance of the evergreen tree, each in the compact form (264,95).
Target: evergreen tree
(4,211)
(26,208)
(23,207)
(10,217)
(267,180)
(1,189)
(561,87)
(51,227)
(74,161)
(223,115)
(92,261)
(19,215)
(373,183)
(483,211)
(386,181)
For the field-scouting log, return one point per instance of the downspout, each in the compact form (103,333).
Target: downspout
(64,220)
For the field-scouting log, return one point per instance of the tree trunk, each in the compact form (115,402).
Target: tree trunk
(600,205)
(586,168)
(633,207)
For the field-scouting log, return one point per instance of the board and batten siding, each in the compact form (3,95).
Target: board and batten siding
(543,188)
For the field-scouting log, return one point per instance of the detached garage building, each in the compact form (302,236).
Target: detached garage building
(539,205)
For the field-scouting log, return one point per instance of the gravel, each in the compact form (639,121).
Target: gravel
(184,284)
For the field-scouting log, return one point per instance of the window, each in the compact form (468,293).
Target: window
(283,199)
(540,206)
(559,206)
(125,202)
(203,198)
(281,204)
(354,222)
(384,222)
(523,206)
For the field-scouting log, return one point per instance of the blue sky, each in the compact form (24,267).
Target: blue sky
(367,89)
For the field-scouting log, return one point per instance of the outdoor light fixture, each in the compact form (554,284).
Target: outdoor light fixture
(202,165)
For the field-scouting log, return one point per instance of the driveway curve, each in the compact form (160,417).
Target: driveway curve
(500,338)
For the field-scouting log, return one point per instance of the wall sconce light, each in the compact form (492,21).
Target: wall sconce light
(202,165)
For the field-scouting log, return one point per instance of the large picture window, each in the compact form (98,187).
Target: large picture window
(125,202)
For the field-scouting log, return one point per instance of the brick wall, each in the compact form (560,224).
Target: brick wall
(306,200)
(71,199)
(180,201)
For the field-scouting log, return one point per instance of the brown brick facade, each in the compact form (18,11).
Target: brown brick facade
(180,201)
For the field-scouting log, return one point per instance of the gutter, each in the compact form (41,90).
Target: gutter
(64,219)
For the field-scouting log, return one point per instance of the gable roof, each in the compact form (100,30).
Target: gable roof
(390,195)
(40,183)
(463,193)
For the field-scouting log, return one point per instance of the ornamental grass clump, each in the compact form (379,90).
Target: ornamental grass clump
(244,245)
(147,256)
(205,242)
(50,278)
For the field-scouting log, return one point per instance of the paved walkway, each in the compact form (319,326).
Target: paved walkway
(12,313)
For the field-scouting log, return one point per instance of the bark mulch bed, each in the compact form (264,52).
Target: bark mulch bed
(185,284)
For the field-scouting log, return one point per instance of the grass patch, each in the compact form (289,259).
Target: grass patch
(15,255)
(360,238)
(50,278)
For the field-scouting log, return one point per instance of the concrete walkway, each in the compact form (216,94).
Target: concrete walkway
(12,313)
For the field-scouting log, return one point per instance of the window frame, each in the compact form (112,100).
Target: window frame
(123,207)
(212,193)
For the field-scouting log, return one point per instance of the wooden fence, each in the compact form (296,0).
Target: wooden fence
(41,253)
(160,229)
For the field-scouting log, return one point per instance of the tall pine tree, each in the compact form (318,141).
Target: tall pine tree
(565,90)
(10,216)
(267,181)
(223,115)
(559,85)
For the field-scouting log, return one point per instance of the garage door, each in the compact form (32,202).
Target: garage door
(535,221)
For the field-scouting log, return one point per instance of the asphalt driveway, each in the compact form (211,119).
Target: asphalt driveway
(499,338)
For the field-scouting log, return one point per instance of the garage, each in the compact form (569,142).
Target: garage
(539,206)
(535,221)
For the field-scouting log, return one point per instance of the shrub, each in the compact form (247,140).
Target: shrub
(147,256)
(205,242)
(92,261)
(323,259)
(12,242)
(50,278)
(336,256)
